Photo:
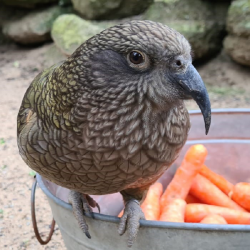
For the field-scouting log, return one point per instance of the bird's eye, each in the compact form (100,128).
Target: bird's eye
(136,57)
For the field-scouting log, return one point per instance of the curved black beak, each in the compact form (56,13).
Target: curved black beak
(193,86)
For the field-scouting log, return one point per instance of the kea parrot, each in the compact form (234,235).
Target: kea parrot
(111,117)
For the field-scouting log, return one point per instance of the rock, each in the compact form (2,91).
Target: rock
(193,18)
(238,21)
(238,48)
(7,14)
(204,37)
(110,9)
(70,31)
(95,9)
(34,27)
(237,43)
(27,3)
(197,20)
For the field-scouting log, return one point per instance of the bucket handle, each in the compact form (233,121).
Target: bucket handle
(33,216)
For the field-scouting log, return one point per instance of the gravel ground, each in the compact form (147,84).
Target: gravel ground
(228,84)
(18,67)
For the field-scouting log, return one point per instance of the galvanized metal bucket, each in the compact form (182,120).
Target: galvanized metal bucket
(228,145)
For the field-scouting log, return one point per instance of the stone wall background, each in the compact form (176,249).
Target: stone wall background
(210,26)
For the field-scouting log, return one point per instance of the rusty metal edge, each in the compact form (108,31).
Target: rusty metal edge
(33,216)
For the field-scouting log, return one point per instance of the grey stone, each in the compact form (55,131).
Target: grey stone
(110,9)
(237,43)
(238,48)
(199,21)
(34,27)
(238,20)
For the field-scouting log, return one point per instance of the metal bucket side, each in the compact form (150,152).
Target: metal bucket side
(152,235)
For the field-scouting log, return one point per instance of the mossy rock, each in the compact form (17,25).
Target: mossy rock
(70,31)
(238,21)
(27,3)
(110,9)
(34,27)
(204,37)
(166,10)
(238,49)
(201,27)
(197,20)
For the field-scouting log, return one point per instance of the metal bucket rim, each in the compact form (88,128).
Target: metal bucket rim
(158,224)
(222,111)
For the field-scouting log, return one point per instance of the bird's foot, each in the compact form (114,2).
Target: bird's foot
(131,220)
(82,203)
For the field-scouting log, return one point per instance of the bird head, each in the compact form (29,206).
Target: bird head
(145,59)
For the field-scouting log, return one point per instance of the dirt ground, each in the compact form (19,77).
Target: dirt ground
(227,82)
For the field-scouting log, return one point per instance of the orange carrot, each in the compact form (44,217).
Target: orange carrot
(151,204)
(191,199)
(174,211)
(241,194)
(208,193)
(197,212)
(121,213)
(219,181)
(213,219)
(182,181)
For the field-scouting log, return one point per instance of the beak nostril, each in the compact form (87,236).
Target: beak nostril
(178,63)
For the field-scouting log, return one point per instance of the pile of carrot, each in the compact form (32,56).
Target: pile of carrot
(196,194)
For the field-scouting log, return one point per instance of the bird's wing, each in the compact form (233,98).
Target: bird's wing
(29,102)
